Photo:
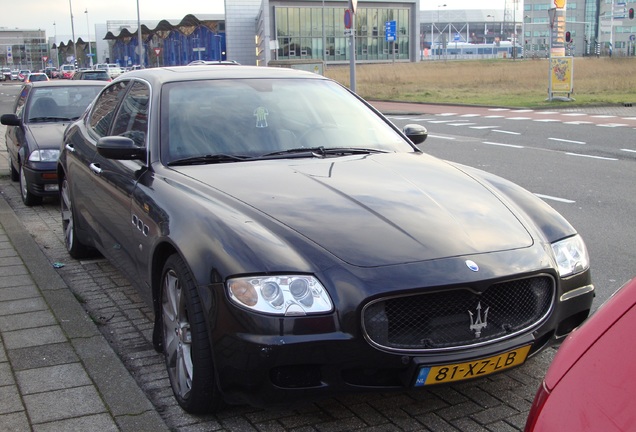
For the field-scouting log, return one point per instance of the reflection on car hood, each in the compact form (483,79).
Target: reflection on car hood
(47,135)
(375,210)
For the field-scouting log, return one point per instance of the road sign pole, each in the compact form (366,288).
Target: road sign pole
(352,54)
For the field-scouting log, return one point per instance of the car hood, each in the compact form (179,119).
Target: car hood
(46,135)
(374,210)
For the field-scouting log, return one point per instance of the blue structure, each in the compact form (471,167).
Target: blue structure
(169,44)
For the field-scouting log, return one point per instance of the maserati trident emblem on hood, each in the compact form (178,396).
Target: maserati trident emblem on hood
(477,325)
(472,265)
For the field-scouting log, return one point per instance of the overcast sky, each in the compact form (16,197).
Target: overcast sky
(41,14)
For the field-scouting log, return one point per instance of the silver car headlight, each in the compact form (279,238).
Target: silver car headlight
(288,295)
(571,255)
(44,155)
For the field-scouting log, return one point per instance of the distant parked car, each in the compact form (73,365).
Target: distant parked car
(99,75)
(5,75)
(37,76)
(113,70)
(591,383)
(67,71)
(14,75)
(41,112)
(52,72)
(23,74)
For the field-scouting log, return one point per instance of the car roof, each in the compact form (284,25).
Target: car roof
(201,72)
(67,83)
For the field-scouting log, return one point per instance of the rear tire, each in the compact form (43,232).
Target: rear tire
(186,345)
(74,247)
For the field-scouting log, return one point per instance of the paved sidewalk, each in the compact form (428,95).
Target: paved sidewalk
(57,371)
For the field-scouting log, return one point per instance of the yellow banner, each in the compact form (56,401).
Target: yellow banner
(561,74)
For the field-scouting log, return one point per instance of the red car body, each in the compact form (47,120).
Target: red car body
(591,383)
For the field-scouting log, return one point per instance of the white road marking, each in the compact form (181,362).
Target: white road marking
(629,150)
(592,157)
(507,132)
(612,125)
(442,137)
(574,114)
(461,124)
(546,120)
(483,127)
(503,145)
(518,118)
(563,200)
(567,141)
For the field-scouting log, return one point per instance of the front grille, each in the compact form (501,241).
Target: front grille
(458,317)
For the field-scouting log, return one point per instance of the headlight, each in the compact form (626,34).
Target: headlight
(44,155)
(571,255)
(289,295)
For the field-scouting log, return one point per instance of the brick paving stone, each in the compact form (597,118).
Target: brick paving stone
(49,378)
(99,422)
(61,404)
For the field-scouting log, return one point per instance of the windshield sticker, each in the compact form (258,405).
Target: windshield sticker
(261,117)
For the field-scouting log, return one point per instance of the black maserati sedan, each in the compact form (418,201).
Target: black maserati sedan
(294,244)
(41,112)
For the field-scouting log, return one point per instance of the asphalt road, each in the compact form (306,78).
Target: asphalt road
(593,193)
(584,165)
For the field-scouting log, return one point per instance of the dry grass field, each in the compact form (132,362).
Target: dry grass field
(505,82)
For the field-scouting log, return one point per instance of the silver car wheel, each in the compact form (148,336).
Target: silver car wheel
(67,215)
(177,335)
(27,197)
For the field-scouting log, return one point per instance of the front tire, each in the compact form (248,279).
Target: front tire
(15,175)
(186,346)
(27,197)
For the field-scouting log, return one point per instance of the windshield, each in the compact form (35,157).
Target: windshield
(251,118)
(60,102)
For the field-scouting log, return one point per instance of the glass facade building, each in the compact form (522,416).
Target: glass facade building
(305,30)
(302,31)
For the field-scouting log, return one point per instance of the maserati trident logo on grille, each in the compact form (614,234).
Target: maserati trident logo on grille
(477,324)
(472,265)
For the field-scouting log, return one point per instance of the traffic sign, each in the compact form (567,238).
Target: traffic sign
(347,19)
(157,51)
(389,30)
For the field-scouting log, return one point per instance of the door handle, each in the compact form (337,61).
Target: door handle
(95,168)
(69,148)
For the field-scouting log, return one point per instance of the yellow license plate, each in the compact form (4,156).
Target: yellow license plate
(462,371)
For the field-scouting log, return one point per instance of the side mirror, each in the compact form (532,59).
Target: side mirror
(416,133)
(10,120)
(120,148)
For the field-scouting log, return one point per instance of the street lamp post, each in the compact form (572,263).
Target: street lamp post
(439,52)
(57,49)
(139,40)
(73,34)
(90,50)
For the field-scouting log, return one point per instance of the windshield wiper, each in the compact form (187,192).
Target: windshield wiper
(50,118)
(208,159)
(320,152)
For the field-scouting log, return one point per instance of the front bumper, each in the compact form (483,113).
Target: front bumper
(42,179)
(314,357)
